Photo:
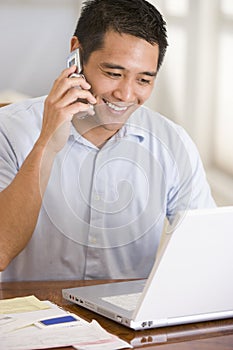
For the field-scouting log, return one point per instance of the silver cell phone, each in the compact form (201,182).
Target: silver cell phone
(74,58)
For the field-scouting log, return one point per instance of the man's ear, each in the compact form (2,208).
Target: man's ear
(74,43)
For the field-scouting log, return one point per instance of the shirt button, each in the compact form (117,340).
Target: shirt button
(92,240)
(97,197)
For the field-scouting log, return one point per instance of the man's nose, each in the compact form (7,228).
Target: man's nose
(125,91)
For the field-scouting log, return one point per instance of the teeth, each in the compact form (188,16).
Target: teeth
(116,108)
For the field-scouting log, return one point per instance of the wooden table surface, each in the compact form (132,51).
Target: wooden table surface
(199,336)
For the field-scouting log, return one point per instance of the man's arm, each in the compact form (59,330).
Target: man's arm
(20,202)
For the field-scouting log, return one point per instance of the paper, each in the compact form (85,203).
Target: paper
(5,320)
(82,336)
(13,322)
(106,341)
(22,304)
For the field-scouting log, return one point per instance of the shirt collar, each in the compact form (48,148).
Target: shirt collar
(130,129)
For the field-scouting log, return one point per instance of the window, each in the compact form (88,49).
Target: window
(223,147)
(194,87)
(177,8)
(227,7)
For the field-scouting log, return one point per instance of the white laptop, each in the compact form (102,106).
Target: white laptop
(191,281)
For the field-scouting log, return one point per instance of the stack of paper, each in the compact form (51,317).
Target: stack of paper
(21,328)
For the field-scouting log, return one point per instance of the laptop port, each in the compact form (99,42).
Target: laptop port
(119,319)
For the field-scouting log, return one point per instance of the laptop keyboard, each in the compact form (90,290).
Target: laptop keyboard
(125,301)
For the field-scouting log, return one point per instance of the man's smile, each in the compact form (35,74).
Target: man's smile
(118,106)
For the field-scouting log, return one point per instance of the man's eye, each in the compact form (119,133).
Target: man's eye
(113,75)
(144,81)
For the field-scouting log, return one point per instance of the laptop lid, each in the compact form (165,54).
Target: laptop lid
(191,279)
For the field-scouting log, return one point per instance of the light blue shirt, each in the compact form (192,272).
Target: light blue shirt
(103,209)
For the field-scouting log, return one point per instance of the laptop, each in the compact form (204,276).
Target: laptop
(191,280)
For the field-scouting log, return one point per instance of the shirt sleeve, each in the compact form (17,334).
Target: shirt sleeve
(190,189)
(8,161)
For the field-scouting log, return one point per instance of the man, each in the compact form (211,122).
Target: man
(84,195)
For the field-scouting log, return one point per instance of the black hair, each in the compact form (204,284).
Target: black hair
(135,17)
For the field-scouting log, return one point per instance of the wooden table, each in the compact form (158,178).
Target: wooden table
(200,336)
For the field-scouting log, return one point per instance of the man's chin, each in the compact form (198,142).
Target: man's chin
(110,120)
(112,126)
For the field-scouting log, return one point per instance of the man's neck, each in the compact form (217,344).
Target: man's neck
(96,134)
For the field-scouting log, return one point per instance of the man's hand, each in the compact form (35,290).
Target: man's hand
(60,106)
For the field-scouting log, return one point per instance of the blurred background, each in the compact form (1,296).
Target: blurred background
(193,88)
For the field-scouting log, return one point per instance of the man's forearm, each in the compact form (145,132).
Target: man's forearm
(20,203)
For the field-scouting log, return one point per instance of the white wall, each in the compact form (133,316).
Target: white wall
(34,41)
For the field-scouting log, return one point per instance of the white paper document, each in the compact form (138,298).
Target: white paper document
(19,331)
(13,322)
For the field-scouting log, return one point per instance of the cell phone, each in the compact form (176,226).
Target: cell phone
(74,58)
(59,321)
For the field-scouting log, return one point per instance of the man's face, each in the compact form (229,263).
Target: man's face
(121,75)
